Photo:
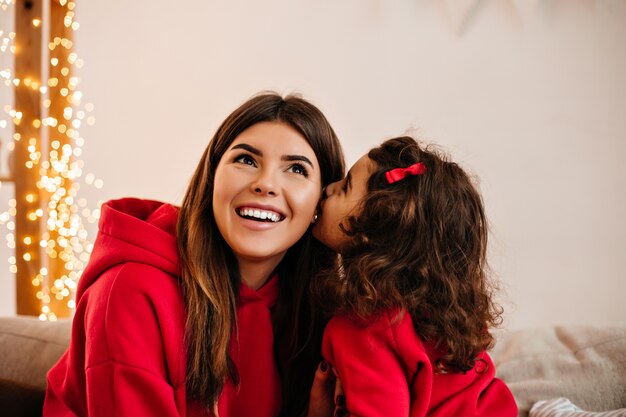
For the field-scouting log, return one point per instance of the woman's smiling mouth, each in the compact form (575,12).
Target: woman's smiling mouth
(258,214)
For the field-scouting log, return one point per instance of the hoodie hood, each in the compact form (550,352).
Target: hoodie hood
(133,230)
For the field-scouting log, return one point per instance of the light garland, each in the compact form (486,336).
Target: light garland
(63,247)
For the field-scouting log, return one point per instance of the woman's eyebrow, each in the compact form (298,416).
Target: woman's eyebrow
(300,158)
(349,180)
(248,148)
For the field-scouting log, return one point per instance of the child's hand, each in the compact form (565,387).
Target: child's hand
(326,398)
(340,398)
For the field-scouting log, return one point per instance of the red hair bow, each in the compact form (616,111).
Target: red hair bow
(397,174)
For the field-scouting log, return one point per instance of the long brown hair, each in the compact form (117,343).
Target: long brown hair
(210,276)
(419,244)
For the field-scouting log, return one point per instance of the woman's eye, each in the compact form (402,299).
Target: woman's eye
(245,159)
(299,169)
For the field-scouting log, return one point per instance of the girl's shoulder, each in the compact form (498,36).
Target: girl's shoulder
(391,326)
(379,320)
(389,333)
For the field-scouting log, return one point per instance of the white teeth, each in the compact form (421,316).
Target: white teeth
(260,214)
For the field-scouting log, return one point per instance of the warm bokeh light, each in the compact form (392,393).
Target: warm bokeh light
(65,238)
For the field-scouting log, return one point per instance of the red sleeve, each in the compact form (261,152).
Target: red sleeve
(133,346)
(115,389)
(372,372)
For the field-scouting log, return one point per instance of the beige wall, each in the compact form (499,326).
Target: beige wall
(533,103)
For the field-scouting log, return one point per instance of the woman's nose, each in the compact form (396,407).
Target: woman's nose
(265,184)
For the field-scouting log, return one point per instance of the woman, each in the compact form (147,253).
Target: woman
(205,310)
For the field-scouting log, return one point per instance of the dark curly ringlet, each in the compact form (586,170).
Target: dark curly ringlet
(420,244)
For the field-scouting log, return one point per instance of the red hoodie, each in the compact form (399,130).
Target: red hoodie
(387,370)
(127,354)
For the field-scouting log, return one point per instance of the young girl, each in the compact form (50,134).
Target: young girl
(204,309)
(411,302)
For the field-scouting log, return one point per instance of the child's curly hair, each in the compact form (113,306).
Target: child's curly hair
(419,244)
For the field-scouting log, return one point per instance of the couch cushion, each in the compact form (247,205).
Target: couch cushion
(29,347)
(585,364)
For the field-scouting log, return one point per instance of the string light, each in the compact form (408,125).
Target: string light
(4,4)
(65,239)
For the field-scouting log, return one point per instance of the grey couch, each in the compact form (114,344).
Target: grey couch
(28,348)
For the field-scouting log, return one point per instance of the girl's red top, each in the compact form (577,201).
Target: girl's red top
(387,370)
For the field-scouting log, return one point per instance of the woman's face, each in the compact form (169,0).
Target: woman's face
(342,199)
(266,190)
